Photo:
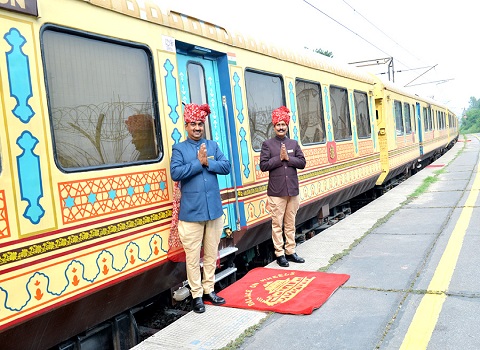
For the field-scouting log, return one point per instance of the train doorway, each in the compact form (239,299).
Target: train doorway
(199,82)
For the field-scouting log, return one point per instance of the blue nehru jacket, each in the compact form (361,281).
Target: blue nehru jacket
(201,199)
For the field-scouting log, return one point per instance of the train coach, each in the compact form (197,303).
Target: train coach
(92,94)
(413,131)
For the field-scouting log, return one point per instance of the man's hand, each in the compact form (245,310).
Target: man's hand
(202,155)
(283,153)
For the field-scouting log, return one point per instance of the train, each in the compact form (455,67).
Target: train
(92,96)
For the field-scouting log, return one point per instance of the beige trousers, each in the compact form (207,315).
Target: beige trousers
(192,235)
(283,211)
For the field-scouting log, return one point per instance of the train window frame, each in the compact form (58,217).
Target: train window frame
(431,125)
(265,128)
(318,114)
(398,115)
(121,141)
(361,119)
(425,120)
(413,113)
(346,118)
(407,118)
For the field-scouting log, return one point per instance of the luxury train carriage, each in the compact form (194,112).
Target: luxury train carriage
(92,94)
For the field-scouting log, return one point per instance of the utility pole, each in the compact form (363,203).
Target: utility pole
(378,61)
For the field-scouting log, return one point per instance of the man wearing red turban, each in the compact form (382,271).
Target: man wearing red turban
(195,163)
(281,157)
(194,112)
(281,114)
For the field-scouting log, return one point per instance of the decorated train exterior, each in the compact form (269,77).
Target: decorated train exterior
(92,94)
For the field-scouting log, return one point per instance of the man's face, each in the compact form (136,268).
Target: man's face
(195,130)
(281,129)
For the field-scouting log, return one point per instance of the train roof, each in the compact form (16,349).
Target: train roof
(149,11)
(400,90)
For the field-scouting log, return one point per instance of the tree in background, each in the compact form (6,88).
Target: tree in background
(322,52)
(471,124)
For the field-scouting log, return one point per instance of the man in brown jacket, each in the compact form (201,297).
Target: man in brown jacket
(281,157)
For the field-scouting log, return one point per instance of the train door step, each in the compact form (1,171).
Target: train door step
(225,273)
(226,251)
(223,253)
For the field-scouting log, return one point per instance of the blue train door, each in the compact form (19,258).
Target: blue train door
(420,130)
(199,83)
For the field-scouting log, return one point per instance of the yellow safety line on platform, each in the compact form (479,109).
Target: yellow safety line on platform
(426,316)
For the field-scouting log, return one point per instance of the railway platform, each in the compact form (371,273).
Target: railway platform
(413,265)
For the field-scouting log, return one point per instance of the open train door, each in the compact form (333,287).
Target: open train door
(201,73)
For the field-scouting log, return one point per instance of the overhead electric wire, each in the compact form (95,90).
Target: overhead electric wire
(372,44)
(360,36)
(381,31)
(344,26)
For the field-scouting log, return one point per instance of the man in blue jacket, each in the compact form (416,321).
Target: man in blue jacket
(195,163)
(281,157)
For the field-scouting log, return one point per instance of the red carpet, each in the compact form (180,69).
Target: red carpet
(283,291)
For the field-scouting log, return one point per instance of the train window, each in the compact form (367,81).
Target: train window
(342,127)
(414,125)
(264,94)
(100,101)
(429,119)
(425,120)
(198,91)
(310,112)
(433,120)
(408,121)
(362,116)
(398,117)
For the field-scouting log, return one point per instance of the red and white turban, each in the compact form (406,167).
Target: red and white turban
(194,113)
(281,114)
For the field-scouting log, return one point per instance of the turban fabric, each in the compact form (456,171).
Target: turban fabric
(139,122)
(281,114)
(194,113)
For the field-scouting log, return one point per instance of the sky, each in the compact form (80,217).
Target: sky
(433,43)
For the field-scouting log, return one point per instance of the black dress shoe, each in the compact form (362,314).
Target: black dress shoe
(282,261)
(295,258)
(214,298)
(197,305)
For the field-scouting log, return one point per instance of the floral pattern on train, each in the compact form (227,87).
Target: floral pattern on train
(29,291)
(86,199)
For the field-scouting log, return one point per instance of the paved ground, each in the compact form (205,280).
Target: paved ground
(413,267)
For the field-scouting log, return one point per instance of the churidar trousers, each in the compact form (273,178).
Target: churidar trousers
(283,211)
(192,234)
